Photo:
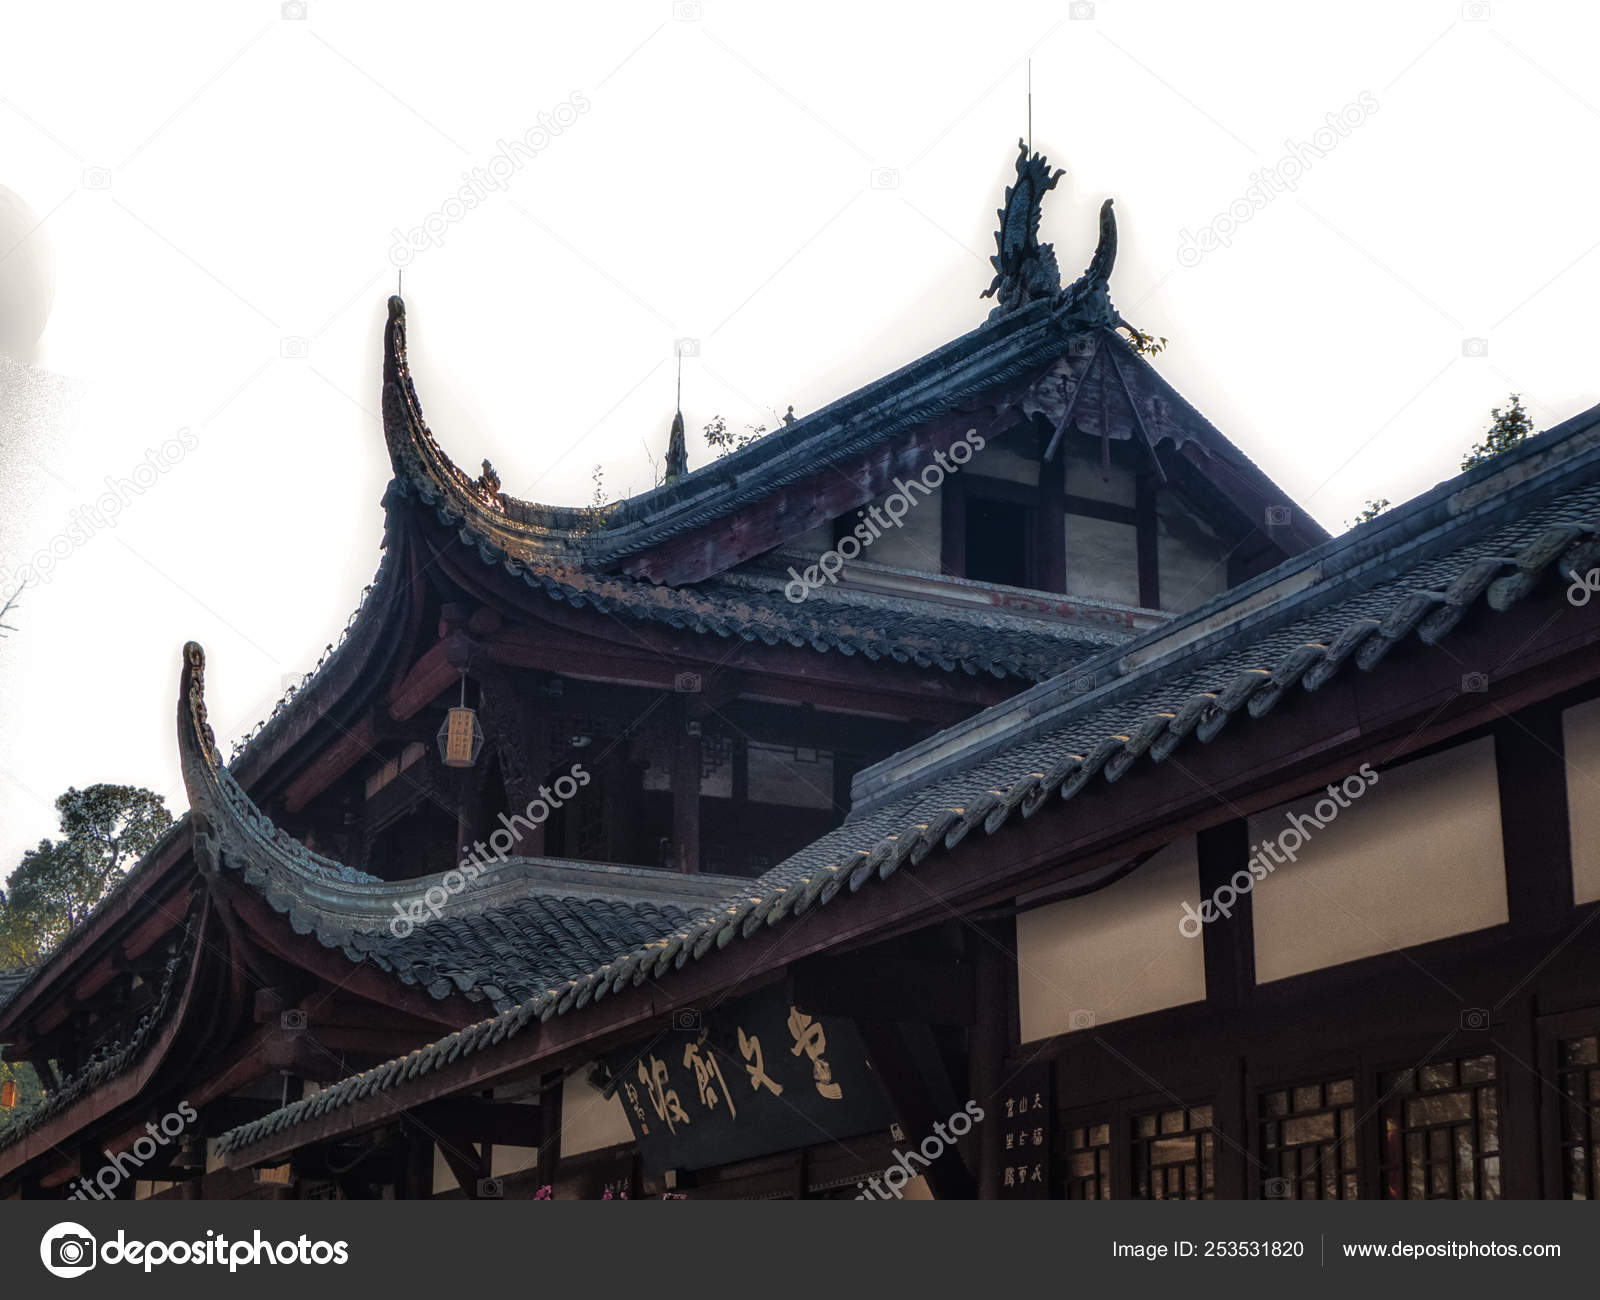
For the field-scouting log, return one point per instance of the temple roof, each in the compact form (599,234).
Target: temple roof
(1476,545)
(1082,378)
(499,937)
(556,552)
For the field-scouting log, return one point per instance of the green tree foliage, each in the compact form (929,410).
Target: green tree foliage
(105,829)
(1146,345)
(721,439)
(1371,511)
(1510,427)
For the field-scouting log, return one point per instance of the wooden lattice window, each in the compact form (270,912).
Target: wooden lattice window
(1441,1131)
(1174,1154)
(1578,1081)
(1308,1142)
(1089,1162)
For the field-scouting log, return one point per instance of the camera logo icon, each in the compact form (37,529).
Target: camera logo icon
(1474,347)
(1474,683)
(1081,10)
(687,683)
(885,178)
(1276,1189)
(491,1189)
(686,347)
(97,178)
(1475,11)
(1474,1019)
(686,1021)
(1081,345)
(292,10)
(688,11)
(293,1021)
(1278,516)
(68,1250)
(294,348)
(1081,1019)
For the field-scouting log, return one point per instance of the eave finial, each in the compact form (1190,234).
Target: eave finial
(677,451)
(1026,270)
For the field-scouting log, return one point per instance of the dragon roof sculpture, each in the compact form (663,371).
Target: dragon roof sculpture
(1026,270)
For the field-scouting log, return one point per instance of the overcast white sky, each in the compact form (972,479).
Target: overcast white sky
(808,191)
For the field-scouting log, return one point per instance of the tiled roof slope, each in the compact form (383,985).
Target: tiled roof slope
(1486,538)
(752,607)
(498,939)
(1060,359)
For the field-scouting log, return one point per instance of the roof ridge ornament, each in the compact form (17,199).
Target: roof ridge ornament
(1026,270)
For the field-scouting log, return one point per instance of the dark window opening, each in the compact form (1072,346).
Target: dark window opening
(997,537)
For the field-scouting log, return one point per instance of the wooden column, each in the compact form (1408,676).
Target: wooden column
(549,1162)
(953,528)
(686,760)
(417,1173)
(1149,561)
(1051,530)
(536,736)
(994,958)
(1530,761)
(1229,941)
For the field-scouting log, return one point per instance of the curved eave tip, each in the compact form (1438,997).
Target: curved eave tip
(397,306)
(194,733)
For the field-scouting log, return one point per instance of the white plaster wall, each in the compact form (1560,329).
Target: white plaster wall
(1114,953)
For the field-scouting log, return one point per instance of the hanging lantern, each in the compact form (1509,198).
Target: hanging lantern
(460,738)
(8,1095)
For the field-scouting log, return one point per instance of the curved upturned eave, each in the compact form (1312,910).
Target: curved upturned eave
(524,528)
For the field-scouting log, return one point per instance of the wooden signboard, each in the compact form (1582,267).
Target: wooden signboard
(746,1079)
(1024,1112)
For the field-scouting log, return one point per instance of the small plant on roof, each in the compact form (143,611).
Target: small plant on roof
(1370,511)
(723,440)
(1509,427)
(1146,345)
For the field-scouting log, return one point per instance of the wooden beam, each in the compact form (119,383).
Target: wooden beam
(469,1120)
(468,1165)
(871,986)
